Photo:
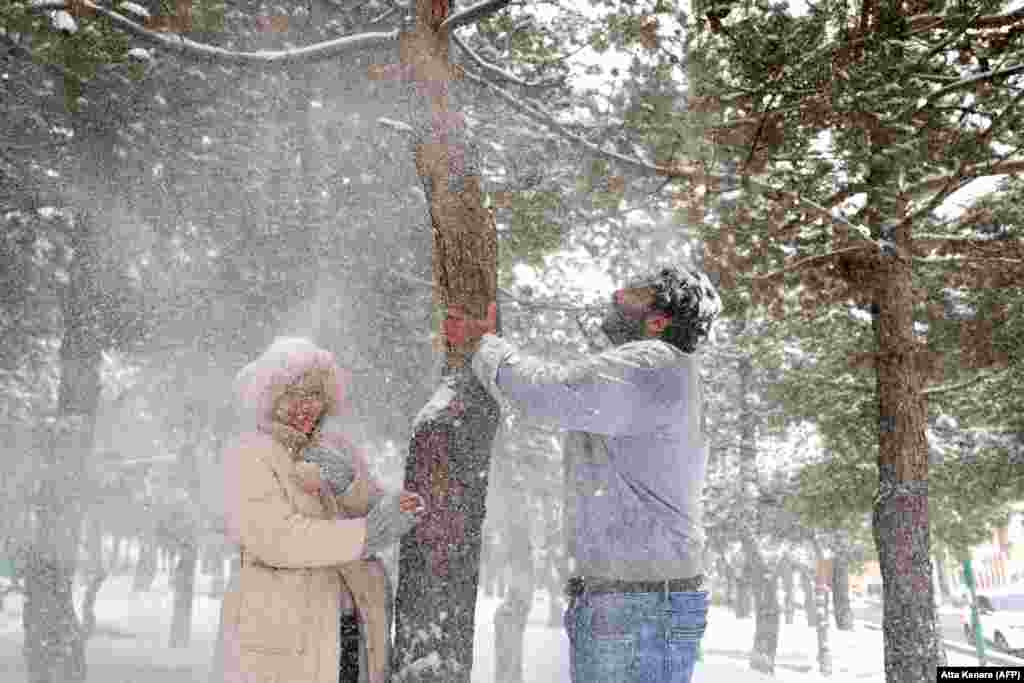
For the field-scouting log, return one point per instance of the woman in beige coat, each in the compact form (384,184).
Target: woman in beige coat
(306,554)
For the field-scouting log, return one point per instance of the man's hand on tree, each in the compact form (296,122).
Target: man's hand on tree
(461,330)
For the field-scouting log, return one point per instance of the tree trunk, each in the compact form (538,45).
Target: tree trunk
(766,632)
(54,648)
(808,589)
(821,626)
(750,490)
(213,560)
(510,617)
(944,586)
(841,593)
(184,595)
(900,523)
(744,594)
(788,588)
(92,590)
(145,568)
(96,574)
(450,449)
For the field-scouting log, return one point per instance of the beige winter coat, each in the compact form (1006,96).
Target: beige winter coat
(300,551)
(280,623)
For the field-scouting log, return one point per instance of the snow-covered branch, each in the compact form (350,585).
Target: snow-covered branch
(937,260)
(397,125)
(473,14)
(687,171)
(979,378)
(203,52)
(930,22)
(498,72)
(971,172)
(962,85)
(810,261)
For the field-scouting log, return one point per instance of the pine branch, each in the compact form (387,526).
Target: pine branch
(980,377)
(926,22)
(811,261)
(211,53)
(310,53)
(473,14)
(498,72)
(690,172)
(970,173)
(961,85)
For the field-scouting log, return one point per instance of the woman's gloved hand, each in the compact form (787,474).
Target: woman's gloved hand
(336,467)
(391,516)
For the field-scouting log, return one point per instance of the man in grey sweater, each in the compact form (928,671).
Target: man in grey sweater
(637,454)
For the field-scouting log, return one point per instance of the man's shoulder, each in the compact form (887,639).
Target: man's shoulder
(648,353)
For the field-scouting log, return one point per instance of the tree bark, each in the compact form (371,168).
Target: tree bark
(766,631)
(145,568)
(841,592)
(821,626)
(96,574)
(184,595)
(808,589)
(450,449)
(900,522)
(788,588)
(750,490)
(744,593)
(940,566)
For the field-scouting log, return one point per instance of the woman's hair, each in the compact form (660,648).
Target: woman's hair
(690,298)
(290,368)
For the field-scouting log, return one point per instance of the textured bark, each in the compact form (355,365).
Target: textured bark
(766,632)
(900,521)
(841,593)
(439,561)
(450,449)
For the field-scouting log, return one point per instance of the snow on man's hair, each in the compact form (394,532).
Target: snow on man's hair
(692,301)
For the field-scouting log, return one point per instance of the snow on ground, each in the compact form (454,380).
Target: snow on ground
(131,644)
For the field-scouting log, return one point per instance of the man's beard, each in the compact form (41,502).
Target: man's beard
(621,329)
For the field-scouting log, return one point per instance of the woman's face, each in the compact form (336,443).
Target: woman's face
(304,414)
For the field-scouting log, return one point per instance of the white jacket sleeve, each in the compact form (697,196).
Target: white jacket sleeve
(631,389)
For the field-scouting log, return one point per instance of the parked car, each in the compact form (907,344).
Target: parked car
(1001,613)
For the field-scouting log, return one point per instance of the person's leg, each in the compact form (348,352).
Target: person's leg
(348,661)
(685,622)
(606,638)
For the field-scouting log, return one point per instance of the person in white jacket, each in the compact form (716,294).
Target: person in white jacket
(637,457)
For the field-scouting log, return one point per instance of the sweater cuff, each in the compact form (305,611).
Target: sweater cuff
(492,353)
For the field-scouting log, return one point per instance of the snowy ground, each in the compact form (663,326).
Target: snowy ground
(131,644)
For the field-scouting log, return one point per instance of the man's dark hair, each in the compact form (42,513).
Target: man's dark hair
(690,298)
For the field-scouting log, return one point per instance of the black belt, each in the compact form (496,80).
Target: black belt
(593,584)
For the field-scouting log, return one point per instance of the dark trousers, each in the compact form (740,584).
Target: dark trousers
(348,666)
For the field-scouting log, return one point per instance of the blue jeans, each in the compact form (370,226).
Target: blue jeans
(635,637)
